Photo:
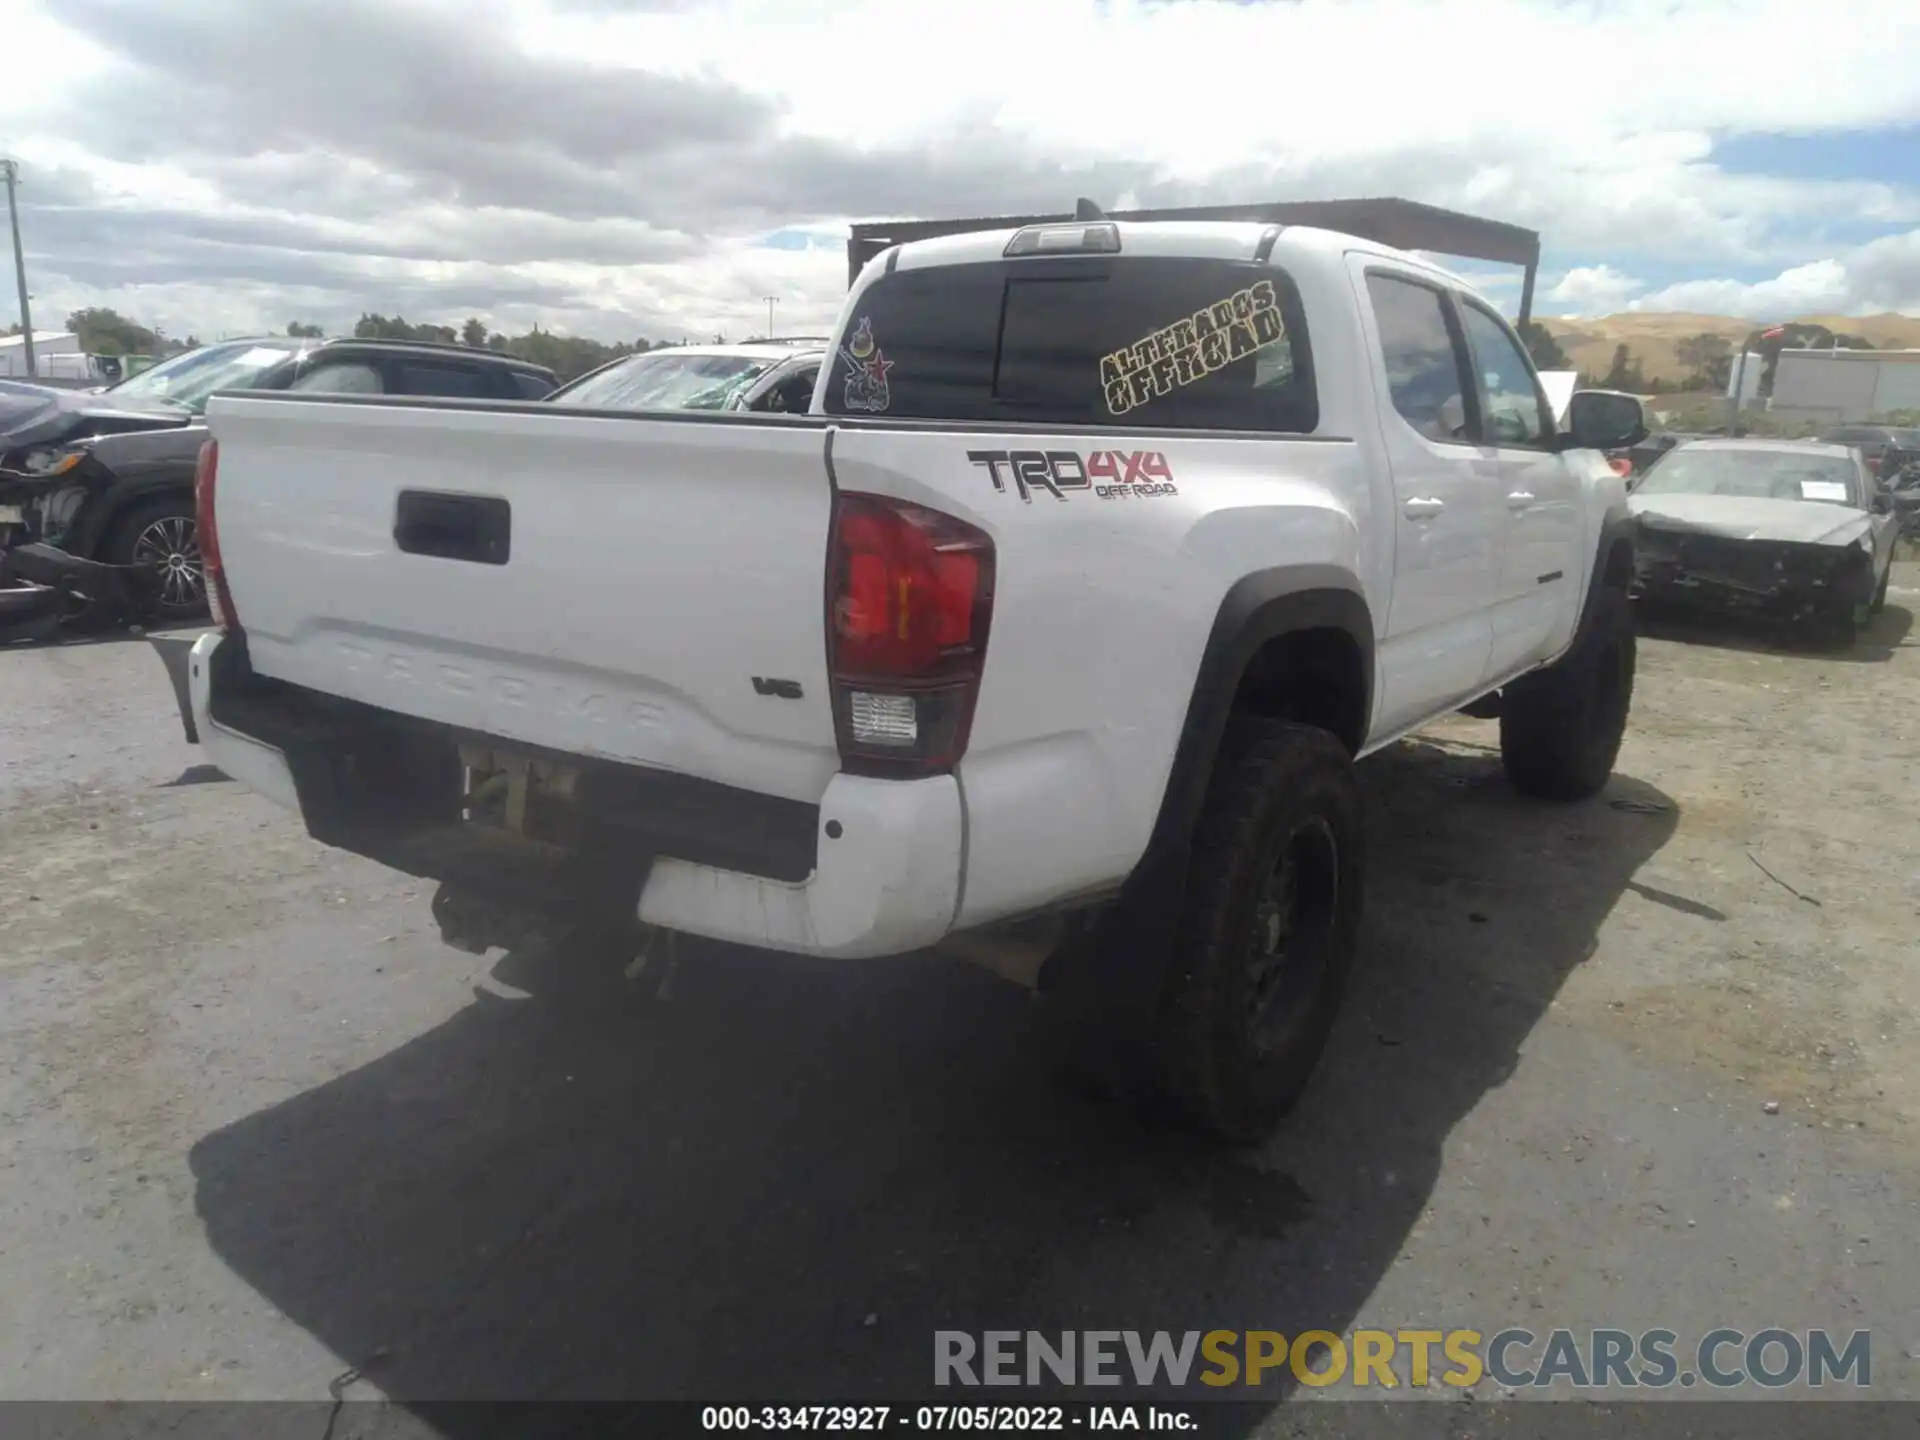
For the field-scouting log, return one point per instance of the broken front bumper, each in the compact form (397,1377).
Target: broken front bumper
(28,612)
(1777,579)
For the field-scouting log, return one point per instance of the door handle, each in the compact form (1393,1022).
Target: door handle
(1519,500)
(1421,508)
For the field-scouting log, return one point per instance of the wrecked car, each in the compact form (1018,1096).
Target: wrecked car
(1792,531)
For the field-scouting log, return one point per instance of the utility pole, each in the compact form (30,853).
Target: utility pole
(11,169)
(772,300)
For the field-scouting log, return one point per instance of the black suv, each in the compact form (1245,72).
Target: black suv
(108,476)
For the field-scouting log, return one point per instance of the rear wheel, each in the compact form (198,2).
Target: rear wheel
(1269,930)
(1561,728)
(163,536)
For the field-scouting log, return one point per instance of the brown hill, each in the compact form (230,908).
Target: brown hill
(1590,343)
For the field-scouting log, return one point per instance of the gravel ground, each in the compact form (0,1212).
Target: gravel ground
(258,1126)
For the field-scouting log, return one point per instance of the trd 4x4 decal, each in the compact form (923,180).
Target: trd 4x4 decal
(1109,474)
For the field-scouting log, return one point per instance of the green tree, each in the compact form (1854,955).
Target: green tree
(299,331)
(1545,350)
(379,327)
(1707,358)
(474,333)
(107,332)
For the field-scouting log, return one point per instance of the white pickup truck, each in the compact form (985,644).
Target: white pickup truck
(1053,630)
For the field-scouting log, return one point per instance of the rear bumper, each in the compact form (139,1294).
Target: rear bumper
(885,877)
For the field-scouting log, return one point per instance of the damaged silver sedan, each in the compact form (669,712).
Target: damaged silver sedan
(1792,531)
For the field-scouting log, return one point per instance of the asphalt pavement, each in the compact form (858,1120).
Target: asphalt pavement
(261,1132)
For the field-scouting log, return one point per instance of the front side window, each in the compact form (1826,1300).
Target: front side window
(1422,363)
(1154,342)
(1510,408)
(791,395)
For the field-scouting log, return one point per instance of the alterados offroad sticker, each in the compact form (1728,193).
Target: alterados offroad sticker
(1192,348)
(1109,474)
(867,367)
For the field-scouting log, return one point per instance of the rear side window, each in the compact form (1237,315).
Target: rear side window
(1422,360)
(1153,342)
(450,380)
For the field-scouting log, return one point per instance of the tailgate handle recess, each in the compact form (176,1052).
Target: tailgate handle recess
(447,526)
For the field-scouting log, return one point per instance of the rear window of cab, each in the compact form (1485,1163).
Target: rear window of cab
(1152,342)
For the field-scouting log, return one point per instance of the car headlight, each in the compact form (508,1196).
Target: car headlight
(51,460)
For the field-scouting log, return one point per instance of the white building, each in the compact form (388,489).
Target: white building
(46,345)
(1833,386)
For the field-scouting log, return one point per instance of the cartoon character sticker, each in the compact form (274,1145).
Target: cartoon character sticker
(867,366)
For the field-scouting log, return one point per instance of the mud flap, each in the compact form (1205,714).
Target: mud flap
(175,651)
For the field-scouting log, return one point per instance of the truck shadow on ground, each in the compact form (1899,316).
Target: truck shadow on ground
(1878,639)
(780,1181)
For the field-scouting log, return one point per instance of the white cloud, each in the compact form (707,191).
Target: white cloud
(604,165)
(1589,290)
(1874,278)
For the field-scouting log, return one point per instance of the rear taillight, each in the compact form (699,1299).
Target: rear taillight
(909,596)
(207,534)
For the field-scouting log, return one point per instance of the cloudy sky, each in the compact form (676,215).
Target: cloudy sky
(655,167)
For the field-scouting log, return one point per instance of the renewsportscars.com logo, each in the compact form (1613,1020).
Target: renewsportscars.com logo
(1389,1359)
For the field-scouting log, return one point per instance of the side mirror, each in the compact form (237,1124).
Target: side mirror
(1605,420)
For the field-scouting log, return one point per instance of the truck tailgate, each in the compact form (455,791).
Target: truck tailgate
(648,590)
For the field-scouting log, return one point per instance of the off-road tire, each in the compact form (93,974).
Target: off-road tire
(1560,728)
(1281,793)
